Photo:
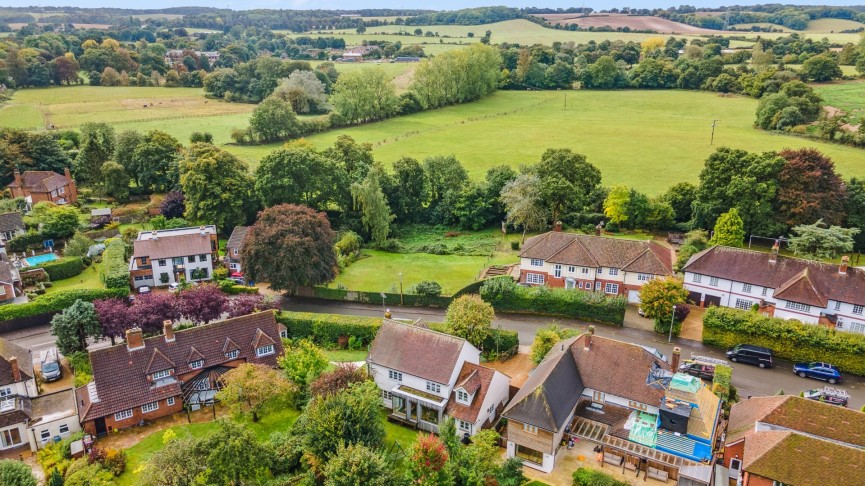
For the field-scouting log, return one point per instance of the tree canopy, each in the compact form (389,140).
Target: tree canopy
(216,186)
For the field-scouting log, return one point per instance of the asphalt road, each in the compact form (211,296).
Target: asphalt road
(749,380)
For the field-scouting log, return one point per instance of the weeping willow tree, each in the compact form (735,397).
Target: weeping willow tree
(371,201)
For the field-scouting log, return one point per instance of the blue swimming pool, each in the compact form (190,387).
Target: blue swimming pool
(36,260)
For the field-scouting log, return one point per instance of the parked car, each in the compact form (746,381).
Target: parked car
(749,354)
(50,365)
(701,366)
(144,290)
(827,394)
(818,370)
(173,287)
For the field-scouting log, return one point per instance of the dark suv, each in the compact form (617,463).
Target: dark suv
(753,355)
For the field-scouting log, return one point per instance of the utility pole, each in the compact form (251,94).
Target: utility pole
(672,320)
(712,141)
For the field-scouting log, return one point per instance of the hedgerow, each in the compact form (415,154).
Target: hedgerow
(115,269)
(326,329)
(56,301)
(63,268)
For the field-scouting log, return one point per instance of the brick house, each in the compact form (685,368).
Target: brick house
(619,395)
(786,439)
(425,376)
(166,256)
(614,266)
(44,185)
(148,378)
(11,225)
(10,282)
(790,288)
(233,247)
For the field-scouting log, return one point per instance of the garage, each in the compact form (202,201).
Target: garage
(633,296)
(694,297)
(711,300)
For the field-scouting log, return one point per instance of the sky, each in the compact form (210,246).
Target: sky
(432,5)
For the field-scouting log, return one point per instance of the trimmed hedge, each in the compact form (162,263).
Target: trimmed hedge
(30,239)
(63,268)
(375,297)
(585,476)
(789,339)
(475,287)
(115,269)
(56,301)
(327,328)
(506,295)
(508,340)
(231,287)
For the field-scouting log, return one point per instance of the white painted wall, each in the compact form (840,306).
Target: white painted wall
(496,395)
(53,427)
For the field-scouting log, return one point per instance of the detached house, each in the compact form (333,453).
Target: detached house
(145,379)
(168,256)
(11,225)
(233,248)
(791,440)
(620,396)
(44,185)
(613,266)
(426,376)
(10,282)
(785,287)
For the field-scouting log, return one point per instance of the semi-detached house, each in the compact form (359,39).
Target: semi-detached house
(789,288)
(168,256)
(613,266)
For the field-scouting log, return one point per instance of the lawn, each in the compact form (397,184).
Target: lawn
(827,26)
(848,96)
(88,279)
(346,355)
(379,271)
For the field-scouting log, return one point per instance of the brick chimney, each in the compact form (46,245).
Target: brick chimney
(17,174)
(557,227)
(134,340)
(588,342)
(845,262)
(67,173)
(674,361)
(168,330)
(773,258)
(16,371)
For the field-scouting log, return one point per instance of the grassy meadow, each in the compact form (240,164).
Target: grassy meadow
(848,96)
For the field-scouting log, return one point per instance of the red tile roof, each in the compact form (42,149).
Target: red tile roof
(416,351)
(120,375)
(172,246)
(598,251)
(8,349)
(476,380)
(41,181)
(792,458)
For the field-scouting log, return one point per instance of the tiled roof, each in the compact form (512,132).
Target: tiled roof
(744,414)
(800,280)
(41,180)
(8,273)
(598,251)
(800,460)
(9,349)
(173,246)
(475,379)
(236,238)
(11,221)
(13,417)
(416,351)
(120,375)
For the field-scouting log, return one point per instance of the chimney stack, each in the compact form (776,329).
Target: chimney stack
(17,174)
(134,340)
(557,227)
(16,371)
(588,343)
(154,234)
(674,361)
(202,230)
(775,248)
(168,330)
(67,173)
(845,262)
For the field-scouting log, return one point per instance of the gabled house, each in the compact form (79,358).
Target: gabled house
(426,376)
(11,225)
(168,256)
(789,288)
(792,440)
(613,266)
(631,401)
(28,420)
(233,247)
(148,378)
(10,282)
(44,185)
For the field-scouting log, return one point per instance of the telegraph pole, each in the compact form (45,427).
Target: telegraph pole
(712,141)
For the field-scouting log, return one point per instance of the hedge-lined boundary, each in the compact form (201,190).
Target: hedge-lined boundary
(375,297)
(63,268)
(56,301)
(475,287)
(789,339)
(506,295)
(507,345)
(115,269)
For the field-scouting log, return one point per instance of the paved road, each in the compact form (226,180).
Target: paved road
(749,380)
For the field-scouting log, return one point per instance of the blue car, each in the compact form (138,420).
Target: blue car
(818,370)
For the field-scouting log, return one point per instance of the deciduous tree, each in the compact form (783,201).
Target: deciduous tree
(522,201)
(470,318)
(546,338)
(115,181)
(250,387)
(16,473)
(809,189)
(567,181)
(113,315)
(150,311)
(173,205)
(337,380)
(233,455)
(242,305)
(304,91)
(358,464)
(855,208)
(78,245)
(370,200)
(300,175)
(657,298)
(681,198)
(56,221)
(273,119)
(427,461)
(202,304)
(302,363)
(216,186)
(97,147)
(74,325)
(365,95)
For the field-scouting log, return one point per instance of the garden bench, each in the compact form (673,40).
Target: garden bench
(613,459)
(658,474)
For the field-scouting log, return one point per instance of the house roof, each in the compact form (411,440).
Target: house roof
(120,375)
(799,414)
(550,393)
(476,380)
(172,246)
(416,351)
(236,238)
(41,180)
(8,273)
(792,458)
(9,349)
(599,251)
(13,417)
(53,406)
(795,279)
(11,221)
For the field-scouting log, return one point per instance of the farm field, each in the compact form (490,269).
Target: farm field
(849,96)
(634,22)
(824,26)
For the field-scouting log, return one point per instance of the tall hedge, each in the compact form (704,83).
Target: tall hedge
(115,269)
(789,339)
(56,301)
(505,340)
(63,268)
(327,328)
(30,239)
(506,295)
(376,298)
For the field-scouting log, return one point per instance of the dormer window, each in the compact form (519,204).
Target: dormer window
(232,354)
(160,374)
(265,350)
(197,364)
(462,396)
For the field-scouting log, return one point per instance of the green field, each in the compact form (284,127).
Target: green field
(848,96)
(824,26)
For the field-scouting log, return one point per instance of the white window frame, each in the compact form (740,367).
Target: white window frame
(585,271)
(265,350)
(123,415)
(150,407)
(557,271)
(743,304)
(611,288)
(536,262)
(394,375)
(169,401)
(746,288)
(433,387)
(696,278)
(462,396)
(713,281)
(197,364)
(857,309)
(44,435)
(765,290)
(465,426)
(531,429)
(599,270)
(160,374)
(796,306)
(597,286)
(856,327)
(232,354)
(63,432)
(613,271)
(572,270)
(6,392)
(535,278)
(644,277)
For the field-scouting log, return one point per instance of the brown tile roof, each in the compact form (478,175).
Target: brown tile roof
(13,417)
(416,351)
(41,180)
(173,246)
(598,251)
(11,221)
(823,282)
(9,349)
(236,238)
(475,379)
(7,272)
(120,375)
(800,460)
(744,414)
